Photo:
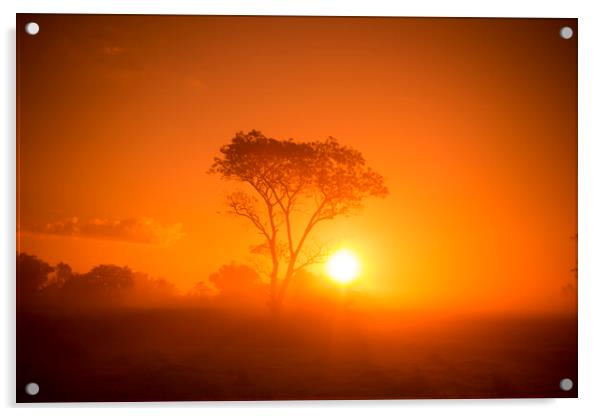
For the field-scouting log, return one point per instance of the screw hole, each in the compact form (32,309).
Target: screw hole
(32,28)
(566,32)
(566,384)
(32,389)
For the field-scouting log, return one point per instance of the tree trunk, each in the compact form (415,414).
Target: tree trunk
(290,270)
(273,302)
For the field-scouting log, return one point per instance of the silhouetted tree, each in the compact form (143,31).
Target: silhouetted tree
(238,284)
(62,274)
(293,186)
(105,283)
(32,275)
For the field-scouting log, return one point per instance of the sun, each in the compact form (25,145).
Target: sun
(343,266)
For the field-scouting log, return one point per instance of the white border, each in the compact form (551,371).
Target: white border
(590,200)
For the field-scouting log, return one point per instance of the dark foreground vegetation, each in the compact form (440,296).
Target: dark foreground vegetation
(325,350)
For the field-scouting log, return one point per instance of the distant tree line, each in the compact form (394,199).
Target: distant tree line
(40,284)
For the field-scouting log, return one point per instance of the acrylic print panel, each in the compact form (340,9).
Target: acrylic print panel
(267,208)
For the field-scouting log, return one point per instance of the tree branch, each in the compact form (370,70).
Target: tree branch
(242,210)
(310,224)
(313,258)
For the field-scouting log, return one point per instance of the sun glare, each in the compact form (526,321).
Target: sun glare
(343,266)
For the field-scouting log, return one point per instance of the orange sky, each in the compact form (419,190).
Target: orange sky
(473,123)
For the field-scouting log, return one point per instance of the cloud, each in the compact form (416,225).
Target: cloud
(112,50)
(133,230)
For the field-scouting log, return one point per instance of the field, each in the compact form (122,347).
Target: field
(187,353)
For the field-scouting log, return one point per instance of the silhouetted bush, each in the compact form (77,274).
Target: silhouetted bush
(32,275)
(106,285)
(239,284)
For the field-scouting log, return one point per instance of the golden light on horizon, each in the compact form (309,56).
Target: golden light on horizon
(343,266)
(464,183)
